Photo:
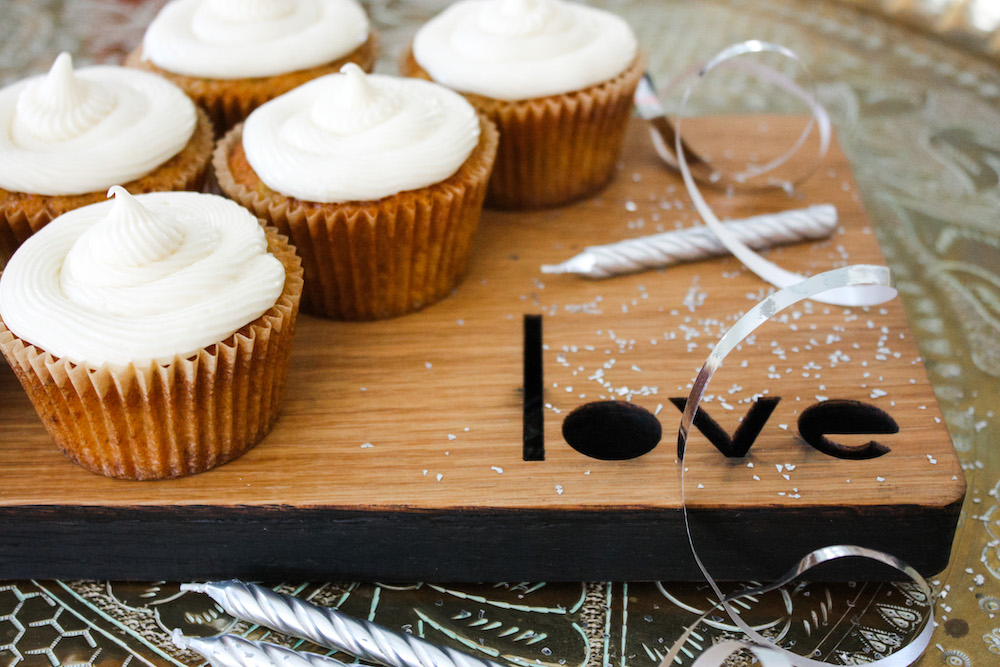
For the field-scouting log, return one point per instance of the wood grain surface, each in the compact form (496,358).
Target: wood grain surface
(398,450)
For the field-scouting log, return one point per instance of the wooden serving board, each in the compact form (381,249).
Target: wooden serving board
(398,454)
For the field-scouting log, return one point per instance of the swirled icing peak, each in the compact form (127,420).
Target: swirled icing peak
(61,106)
(354,106)
(234,39)
(357,137)
(78,131)
(140,279)
(521,49)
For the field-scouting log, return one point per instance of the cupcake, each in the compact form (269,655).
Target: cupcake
(231,56)
(378,180)
(70,135)
(556,77)
(152,333)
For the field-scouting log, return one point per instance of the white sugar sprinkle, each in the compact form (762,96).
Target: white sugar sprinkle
(559,489)
(367,445)
(452,436)
(497,469)
(440,477)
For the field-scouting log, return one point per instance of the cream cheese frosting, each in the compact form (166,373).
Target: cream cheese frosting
(521,49)
(140,279)
(357,137)
(235,39)
(76,131)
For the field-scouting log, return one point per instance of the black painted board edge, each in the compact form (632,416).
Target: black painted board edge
(185,543)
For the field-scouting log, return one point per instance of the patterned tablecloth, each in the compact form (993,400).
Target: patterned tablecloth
(919,117)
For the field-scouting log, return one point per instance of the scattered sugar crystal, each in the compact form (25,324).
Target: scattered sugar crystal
(452,436)
(367,445)
(428,365)
(440,476)
(497,469)
(789,466)
(880,479)
(559,489)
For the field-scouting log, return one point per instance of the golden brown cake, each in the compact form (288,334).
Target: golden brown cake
(134,390)
(554,149)
(373,244)
(556,77)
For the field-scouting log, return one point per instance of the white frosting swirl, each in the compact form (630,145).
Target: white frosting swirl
(352,137)
(140,278)
(235,39)
(72,132)
(520,49)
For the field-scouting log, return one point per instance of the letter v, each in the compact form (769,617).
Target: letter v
(745,435)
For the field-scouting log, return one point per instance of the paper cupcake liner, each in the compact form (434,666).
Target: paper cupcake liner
(229,101)
(372,260)
(22,214)
(555,149)
(167,420)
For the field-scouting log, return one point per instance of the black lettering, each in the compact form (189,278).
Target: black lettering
(739,444)
(845,417)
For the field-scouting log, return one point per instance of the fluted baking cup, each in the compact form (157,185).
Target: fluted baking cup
(229,101)
(22,213)
(162,420)
(555,149)
(378,259)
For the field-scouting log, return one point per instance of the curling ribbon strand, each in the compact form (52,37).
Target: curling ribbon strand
(765,269)
(770,654)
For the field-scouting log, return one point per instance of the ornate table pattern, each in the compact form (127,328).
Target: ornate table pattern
(919,118)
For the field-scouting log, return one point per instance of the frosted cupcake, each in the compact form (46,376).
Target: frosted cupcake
(378,180)
(231,56)
(152,333)
(556,77)
(70,135)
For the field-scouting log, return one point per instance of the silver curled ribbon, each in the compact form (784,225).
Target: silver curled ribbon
(856,285)
(764,268)
(768,652)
